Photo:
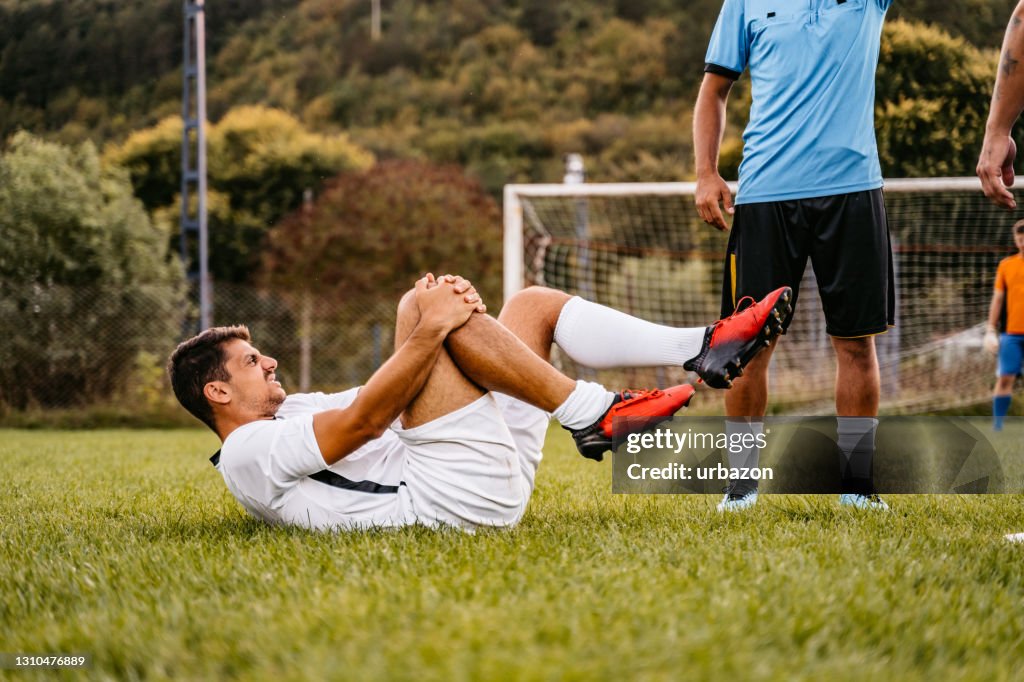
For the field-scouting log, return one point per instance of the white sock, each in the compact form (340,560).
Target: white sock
(597,336)
(584,406)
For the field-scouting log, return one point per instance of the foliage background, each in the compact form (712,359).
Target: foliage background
(501,88)
(455,100)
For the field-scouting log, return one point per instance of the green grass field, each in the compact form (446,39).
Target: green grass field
(126,545)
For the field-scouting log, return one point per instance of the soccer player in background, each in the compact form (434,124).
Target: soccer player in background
(809,187)
(449,430)
(1009,291)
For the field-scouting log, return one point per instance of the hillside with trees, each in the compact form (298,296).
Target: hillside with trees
(503,89)
(335,155)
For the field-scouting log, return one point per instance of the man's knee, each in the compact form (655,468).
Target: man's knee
(406,318)
(407,304)
(856,352)
(537,302)
(1004,384)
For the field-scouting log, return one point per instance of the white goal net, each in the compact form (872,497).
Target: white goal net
(643,249)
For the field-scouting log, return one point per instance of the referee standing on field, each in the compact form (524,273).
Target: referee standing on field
(809,187)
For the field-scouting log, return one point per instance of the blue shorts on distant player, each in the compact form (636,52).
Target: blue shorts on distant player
(1011,352)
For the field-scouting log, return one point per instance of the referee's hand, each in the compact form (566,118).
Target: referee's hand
(712,191)
(995,168)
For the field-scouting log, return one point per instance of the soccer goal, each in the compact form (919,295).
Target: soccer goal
(642,248)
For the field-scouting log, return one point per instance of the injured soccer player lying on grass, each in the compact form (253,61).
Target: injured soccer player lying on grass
(450,430)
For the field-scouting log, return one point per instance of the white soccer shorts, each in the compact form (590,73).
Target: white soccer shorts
(475,466)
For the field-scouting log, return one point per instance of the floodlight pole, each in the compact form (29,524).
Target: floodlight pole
(193,160)
(374,20)
(575,174)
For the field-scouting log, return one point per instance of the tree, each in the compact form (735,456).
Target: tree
(980,21)
(373,233)
(260,161)
(932,97)
(540,18)
(86,284)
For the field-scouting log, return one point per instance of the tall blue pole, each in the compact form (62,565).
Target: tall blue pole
(193,155)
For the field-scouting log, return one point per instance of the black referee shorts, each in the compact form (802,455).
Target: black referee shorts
(846,237)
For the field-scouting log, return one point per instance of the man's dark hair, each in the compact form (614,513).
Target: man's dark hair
(197,362)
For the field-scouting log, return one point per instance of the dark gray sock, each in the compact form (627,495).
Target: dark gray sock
(743,457)
(856,439)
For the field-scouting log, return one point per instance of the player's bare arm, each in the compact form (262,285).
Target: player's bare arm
(995,164)
(391,388)
(708,127)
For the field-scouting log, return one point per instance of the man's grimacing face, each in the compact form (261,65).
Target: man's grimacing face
(253,384)
(1018,239)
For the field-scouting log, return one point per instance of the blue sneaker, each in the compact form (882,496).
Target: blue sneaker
(859,501)
(734,502)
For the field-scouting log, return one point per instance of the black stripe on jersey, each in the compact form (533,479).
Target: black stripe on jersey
(721,71)
(338,481)
(330,478)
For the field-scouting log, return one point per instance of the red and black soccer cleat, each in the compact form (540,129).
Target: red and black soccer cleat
(635,410)
(731,343)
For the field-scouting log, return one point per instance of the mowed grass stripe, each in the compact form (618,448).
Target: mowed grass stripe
(125,545)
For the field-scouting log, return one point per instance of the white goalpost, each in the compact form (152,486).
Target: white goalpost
(641,248)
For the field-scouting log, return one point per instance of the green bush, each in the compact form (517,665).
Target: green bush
(86,284)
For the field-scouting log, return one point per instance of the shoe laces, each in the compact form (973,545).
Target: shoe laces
(749,300)
(640,393)
(740,308)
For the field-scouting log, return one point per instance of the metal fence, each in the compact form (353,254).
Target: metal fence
(73,347)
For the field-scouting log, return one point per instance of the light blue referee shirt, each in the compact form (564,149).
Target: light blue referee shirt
(812,72)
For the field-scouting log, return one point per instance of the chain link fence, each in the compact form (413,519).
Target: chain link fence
(321,344)
(88,348)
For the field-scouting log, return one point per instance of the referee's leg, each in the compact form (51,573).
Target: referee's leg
(857,377)
(748,396)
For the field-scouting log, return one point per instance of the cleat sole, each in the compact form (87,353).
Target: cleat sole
(772,328)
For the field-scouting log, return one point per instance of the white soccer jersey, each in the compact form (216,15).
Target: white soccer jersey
(467,468)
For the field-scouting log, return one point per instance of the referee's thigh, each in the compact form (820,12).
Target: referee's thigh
(852,260)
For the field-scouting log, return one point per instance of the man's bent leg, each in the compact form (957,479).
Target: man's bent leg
(494,357)
(447,389)
(485,355)
(511,355)
(531,315)
(461,462)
